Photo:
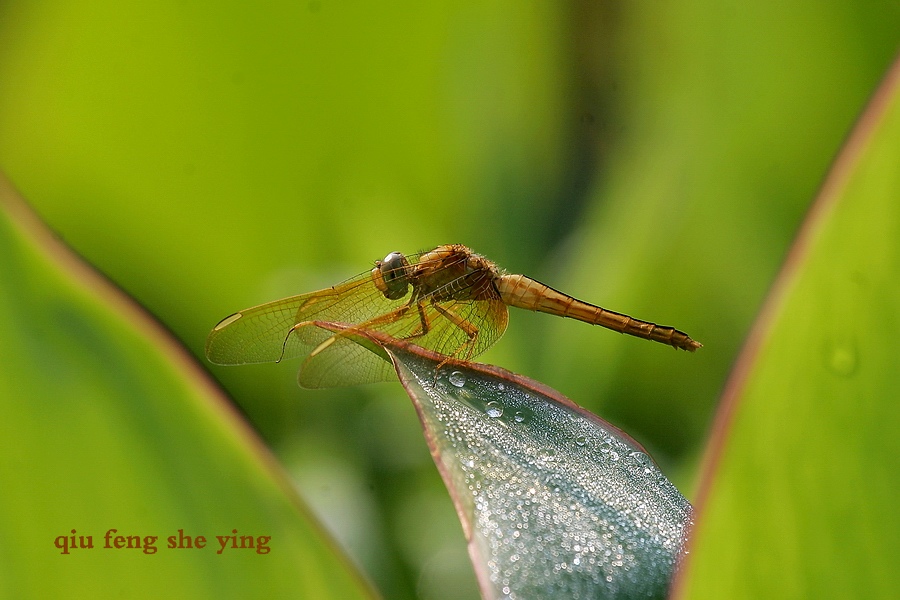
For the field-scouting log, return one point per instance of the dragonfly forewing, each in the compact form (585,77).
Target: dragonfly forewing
(270,333)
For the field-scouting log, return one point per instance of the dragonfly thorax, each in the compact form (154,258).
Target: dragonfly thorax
(391,276)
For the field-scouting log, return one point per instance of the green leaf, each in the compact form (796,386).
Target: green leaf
(107,424)
(800,491)
(555,502)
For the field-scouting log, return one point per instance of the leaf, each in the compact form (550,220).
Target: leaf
(107,424)
(800,487)
(554,501)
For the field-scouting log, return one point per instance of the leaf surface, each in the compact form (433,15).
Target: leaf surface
(800,487)
(109,426)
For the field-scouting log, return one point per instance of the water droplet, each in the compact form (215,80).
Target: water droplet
(581,440)
(493,409)
(519,417)
(457,378)
(841,357)
(614,456)
(501,387)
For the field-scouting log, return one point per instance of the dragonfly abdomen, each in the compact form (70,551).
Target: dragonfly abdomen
(524,292)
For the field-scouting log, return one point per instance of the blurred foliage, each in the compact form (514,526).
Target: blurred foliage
(655,159)
(109,430)
(802,467)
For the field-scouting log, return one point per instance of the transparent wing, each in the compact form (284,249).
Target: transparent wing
(283,329)
(263,333)
(345,361)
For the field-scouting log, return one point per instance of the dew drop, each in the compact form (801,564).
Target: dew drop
(519,416)
(501,387)
(493,409)
(841,357)
(613,455)
(457,378)
(581,440)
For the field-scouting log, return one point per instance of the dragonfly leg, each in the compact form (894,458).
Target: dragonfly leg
(423,318)
(470,330)
(391,317)
(425,324)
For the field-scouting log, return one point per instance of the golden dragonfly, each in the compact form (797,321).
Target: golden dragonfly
(449,299)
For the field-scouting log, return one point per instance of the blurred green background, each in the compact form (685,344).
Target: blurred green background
(653,158)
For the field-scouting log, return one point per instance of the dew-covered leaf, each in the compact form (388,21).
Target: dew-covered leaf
(555,502)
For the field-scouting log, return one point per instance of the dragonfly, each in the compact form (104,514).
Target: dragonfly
(449,300)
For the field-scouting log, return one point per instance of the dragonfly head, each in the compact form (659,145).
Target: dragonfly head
(391,276)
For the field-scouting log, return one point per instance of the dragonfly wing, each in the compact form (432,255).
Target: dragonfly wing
(255,335)
(344,360)
(445,320)
(264,333)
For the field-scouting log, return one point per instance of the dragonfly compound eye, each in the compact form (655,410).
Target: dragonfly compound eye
(391,276)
